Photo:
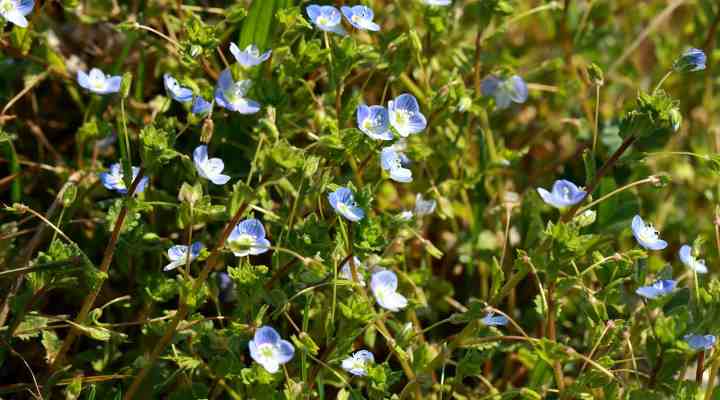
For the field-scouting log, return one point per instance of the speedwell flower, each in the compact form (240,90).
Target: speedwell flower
(646,235)
(360,17)
(113,179)
(564,194)
(393,161)
(505,91)
(178,255)
(177,92)
(491,319)
(384,285)
(248,238)
(343,201)
(424,207)
(373,121)
(660,288)
(700,342)
(327,18)
(231,95)
(200,106)
(358,363)
(405,115)
(691,262)
(346,271)
(97,82)
(209,168)
(269,350)
(249,57)
(691,60)
(16,10)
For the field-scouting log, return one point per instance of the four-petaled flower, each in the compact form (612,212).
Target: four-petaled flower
(360,17)
(249,57)
(248,238)
(384,285)
(564,194)
(691,261)
(113,179)
(269,350)
(358,363)
(659,288)
(393,161)
(327,18)
(98,82)
(209,168)
(424,207)
(16,10)
(700,342)
(343,201)
(373,121)
(491,319)
(505,91)
(691,60)
(405,115)
(231,95)
(177,92)
(200,106)
(346,271)
(646,235)
(178,255)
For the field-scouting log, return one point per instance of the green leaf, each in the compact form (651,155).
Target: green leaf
(257,26)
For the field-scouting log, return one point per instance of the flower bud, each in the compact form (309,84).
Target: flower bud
(691,60)
(126,84)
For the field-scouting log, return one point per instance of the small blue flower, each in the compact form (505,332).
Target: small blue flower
(393,161)
(98,82)
(346,271)
(424,207)
(700,342)
(16,10)
(226,287)
(248,238)
(327,18)
(113,179)
(659,288)
(490,319)
(437,2)
(564,194)
(209,168)
(249,57)
(692,60)
(177,92)
(384,285)
(360,17)
(358,363)
(231,95)
(343,201)
(505,91)
(405,115)
(178,255)
(646,235)
(691,262)
(200,106)
(373,121)
(269,350)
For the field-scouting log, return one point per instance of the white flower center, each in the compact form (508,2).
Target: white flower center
(242,243)
(565,193)
(402,117)
(97,82)
(357,363)
(648,234)
(356,18)
(323,20)
(267,351)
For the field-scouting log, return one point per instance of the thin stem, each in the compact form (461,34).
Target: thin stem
(597,121)
(664,78)
(700,367)
(650,179)
(551,335)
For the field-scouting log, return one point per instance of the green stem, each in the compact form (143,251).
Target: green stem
(650,179)
(664,78)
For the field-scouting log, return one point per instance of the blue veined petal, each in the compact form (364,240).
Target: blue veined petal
(392,301)
(83,79)
(252,227)
(490,319)
(384,280)
(200,154)
(700,342)
(15,16)
(363,112)
(260,246)
(519,94)
(286,351)
(200,105)
(220,99)
(266,335)
(502,99)
(365,356)
(225,81)
(113,84)
(417,123)
(177,252)
(406,102)
(354,213)
(177,92)
(489,85)
(25,7)
(548,198)
(657,289)
(402,175)
(313,11)
(687,258)
(248,107)
(196,248)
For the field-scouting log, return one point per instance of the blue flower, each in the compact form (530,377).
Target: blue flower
(249,57)
(384,285)
(248,238)
(209,168)
(113,179)
(231,95)
(200,106)
(646,235)
(358,363)
(177,92)
(343,202)
(327,18)
(659,288)
(98,82)
(346,271)
(16,10)
(269,350)
(373,121)
(405,115)
(424,207)
(691,262)
(393,161)
(700,342)
(490,319)
(178,255)
(360,17)
(564,194)
(691,60)
(505,91)
(226,287)
(437,2)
